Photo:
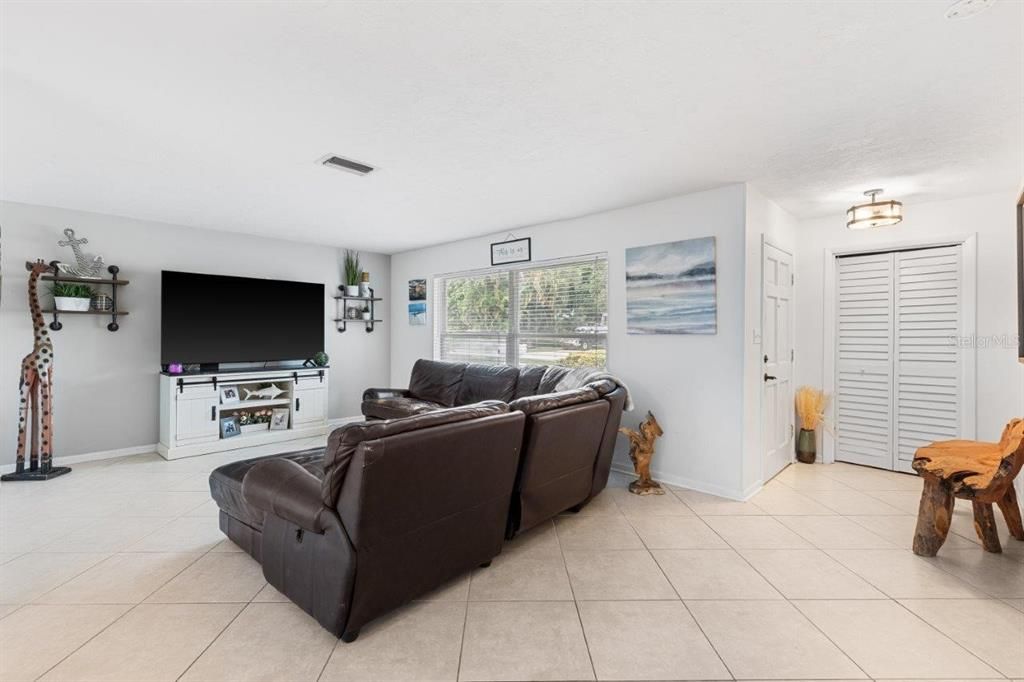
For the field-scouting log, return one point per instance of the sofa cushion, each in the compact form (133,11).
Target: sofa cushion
(226,483)
(487,382)
(395,408)
(552,375)
(552,401)
(436,382)
(529,380)
(342,442)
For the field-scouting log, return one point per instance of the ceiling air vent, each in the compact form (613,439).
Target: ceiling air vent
(347,165)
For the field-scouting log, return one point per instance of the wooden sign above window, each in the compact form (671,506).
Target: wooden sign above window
(512,251)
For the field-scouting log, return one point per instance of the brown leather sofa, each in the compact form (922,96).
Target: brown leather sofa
(387,512)
(569,439)
(567,451)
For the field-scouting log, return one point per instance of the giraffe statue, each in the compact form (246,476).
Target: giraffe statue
(36,393)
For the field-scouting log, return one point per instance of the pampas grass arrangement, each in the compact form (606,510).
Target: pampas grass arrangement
(810,407)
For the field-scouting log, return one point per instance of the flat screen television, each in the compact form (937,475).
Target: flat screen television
(209,319)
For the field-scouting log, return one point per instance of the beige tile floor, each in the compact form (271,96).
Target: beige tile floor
(119,572)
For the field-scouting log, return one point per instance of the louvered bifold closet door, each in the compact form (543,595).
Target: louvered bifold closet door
(927,358)
(864,359)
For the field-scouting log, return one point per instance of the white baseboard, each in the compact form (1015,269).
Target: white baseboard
(699,486)
(68,460)
(92,456)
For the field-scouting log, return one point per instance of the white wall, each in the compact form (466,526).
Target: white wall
(992,218)
(106,383)
(766,221)
(692,383)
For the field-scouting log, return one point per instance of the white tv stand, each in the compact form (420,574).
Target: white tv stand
(191,409)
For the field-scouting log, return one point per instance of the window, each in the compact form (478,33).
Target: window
(542,314)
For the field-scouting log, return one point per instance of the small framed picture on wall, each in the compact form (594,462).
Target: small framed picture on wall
(511,251)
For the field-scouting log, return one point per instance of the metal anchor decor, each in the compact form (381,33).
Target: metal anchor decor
(86,265)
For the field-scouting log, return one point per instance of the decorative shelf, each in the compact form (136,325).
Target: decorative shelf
(357,298)
(84,312)
(247,404)
(342,322)
(113,283)
(85,280)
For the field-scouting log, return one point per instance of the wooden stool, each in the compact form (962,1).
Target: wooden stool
(980,472)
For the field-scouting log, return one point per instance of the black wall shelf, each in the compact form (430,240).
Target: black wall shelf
(342,322)
(113,283)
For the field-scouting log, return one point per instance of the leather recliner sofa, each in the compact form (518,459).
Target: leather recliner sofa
(569,438)
(391,510)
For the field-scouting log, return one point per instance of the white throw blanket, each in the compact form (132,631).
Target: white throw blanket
(581,376)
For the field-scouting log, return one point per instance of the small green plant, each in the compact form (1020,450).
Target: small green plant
(71,290)
(353,270)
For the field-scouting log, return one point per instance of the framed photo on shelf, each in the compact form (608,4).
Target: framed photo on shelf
(279,419)
(229,427)
(229,394)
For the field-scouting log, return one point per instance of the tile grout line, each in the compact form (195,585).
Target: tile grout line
(951,640)
(682,601)
(572,591)
(133,606)
(794,606)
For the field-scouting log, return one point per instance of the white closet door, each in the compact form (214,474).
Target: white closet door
(928,314)
(864,360)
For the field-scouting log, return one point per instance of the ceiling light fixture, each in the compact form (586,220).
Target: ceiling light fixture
(961,9)
(874,214)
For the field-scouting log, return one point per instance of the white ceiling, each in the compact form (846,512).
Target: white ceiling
(487,116)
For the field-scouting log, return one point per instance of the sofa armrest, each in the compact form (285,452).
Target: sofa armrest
(283,488)
(381,393)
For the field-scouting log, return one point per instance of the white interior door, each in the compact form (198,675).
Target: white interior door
(777,345)
(898,371)
(864,351)
(928,365)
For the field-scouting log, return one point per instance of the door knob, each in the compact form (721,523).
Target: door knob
(769,377)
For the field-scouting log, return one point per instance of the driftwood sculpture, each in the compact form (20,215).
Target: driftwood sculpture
(641,451)
(980,472)
(36,393)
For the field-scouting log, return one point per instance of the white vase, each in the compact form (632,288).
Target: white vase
(352,290)
(364,289)
(71,304)
(366,316)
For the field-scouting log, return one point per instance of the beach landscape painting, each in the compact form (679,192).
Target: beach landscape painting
(671,288)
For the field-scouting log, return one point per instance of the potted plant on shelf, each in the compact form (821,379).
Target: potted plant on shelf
(258,420)
(71,297)
(353,273)
(810,407)
(366,312)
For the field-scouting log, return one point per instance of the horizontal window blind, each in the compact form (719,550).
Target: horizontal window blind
(548,313)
